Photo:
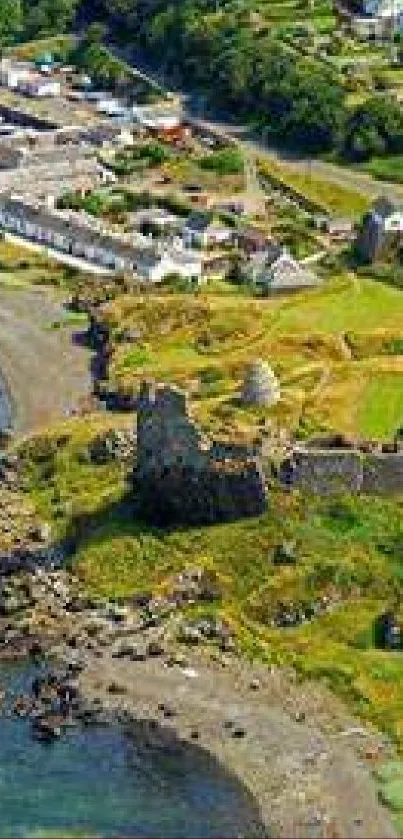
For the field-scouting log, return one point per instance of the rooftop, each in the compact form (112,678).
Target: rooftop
(69,224)
(384,206)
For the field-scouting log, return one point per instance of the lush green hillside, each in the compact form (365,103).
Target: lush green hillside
(336,350)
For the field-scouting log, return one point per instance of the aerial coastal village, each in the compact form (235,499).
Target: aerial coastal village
(201,419)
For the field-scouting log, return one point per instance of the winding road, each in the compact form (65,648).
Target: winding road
(195,110)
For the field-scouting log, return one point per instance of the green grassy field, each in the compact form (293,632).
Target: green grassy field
(210,338)
(382,407)
(345,304)
(386,168)
(330,197)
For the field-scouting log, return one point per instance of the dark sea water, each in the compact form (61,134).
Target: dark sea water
(100,782)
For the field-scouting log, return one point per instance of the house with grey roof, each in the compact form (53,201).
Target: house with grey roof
(276,270)
(68,234)
(201,231)
(381,229)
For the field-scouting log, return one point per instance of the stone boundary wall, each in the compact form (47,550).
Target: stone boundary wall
(181,475)
(324,471)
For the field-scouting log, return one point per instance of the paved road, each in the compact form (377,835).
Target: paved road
(194,108)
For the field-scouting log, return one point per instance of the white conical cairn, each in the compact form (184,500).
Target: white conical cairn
(261,387)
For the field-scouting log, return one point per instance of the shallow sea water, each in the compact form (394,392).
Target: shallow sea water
(100,782)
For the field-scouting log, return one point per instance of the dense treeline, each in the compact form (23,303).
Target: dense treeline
(25,19)
(254,77)
(291,99)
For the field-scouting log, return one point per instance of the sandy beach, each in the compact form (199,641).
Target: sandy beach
(305,761)
(46,372)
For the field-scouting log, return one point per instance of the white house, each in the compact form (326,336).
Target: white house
(39,86)
(157,118)
(111,107)
(13,73)
(170,261)
(383,8)
(67,233)
(388,215)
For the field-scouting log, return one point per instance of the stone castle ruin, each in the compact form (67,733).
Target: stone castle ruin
(181,475)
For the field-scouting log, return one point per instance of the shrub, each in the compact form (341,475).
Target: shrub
(224,162)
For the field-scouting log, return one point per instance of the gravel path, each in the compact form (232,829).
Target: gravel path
(47,373)
(306,762)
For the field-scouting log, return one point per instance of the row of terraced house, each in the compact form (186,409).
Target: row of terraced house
(70,235)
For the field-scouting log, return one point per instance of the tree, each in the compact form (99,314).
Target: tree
(375,127)
(365,143)
(49,17)
(10,21)
(94,34)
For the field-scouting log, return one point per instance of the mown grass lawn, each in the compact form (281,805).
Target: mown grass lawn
(381,411)
(343,305)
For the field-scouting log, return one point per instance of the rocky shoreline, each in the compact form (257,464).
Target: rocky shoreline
(303,760)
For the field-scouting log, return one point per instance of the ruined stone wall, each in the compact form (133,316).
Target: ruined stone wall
(383,473)
(323,472)
(183,476)
(327,471)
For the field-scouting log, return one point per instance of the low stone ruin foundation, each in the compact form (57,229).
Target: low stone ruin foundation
(337,466)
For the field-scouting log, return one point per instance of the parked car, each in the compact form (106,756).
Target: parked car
(192,188)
